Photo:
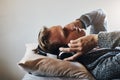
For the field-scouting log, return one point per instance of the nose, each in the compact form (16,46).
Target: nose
(70,27)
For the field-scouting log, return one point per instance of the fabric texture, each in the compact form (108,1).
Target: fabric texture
(107,65)
(33,77)
(104,64)
(44,66)
(109,40)
(96,19)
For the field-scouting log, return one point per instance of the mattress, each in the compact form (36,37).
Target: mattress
(33,77)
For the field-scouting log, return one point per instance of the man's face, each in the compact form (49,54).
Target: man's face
(64,35)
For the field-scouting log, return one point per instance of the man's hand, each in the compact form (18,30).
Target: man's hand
(81,46)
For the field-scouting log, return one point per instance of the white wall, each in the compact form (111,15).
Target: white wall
(20,21)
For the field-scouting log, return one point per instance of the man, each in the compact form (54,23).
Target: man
(50,39)
(73,37)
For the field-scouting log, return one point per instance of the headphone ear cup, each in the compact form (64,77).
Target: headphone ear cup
(41,52)
(63,55)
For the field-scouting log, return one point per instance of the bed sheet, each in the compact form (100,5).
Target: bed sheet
(33,77)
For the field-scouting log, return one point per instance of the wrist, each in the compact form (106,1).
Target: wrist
(95,36)
(78,23)
(81,24)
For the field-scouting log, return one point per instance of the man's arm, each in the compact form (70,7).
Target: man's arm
(109,39)
(96,19)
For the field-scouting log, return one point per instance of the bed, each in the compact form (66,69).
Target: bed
(33,77)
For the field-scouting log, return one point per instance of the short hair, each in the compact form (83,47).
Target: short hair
(43,38)
(45,45)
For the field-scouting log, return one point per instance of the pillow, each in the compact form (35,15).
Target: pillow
(45,66)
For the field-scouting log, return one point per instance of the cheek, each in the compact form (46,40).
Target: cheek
(74,35)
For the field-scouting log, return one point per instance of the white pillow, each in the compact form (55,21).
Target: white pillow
(41,65)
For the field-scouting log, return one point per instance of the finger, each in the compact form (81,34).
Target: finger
(65,49)
(74,41)
(74,45)
(69,59)
(74,57)
(78,54)
(70,49)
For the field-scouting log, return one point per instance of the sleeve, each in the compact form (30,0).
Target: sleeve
(96,19)
(109,39)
